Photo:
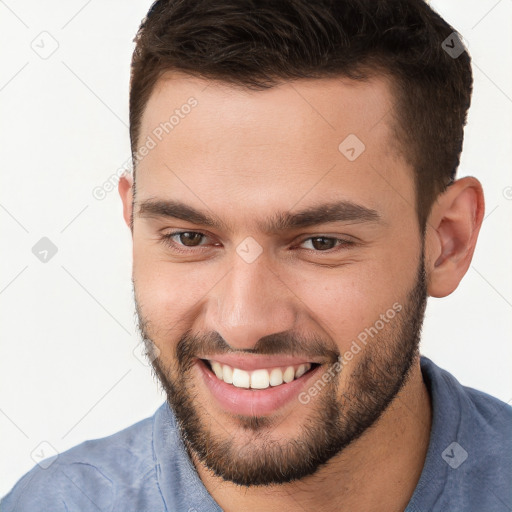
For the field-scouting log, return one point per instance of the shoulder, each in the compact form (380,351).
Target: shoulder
(469,464)
(469,408)
(486,428)
(91,475)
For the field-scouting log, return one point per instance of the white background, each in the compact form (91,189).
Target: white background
(68,372)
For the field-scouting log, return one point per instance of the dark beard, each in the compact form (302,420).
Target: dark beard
(382,369)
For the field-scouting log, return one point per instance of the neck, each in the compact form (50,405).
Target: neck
(378,471)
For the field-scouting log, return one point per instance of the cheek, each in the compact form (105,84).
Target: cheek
(157,294)
(346,301)
(340,302)
(170,294)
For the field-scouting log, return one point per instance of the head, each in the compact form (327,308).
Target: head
(293,195)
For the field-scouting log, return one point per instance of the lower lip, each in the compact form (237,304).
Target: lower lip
(253,402)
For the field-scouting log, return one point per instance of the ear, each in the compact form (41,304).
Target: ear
(125,188)
(451,235)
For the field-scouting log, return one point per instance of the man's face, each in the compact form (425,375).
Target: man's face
(263,289)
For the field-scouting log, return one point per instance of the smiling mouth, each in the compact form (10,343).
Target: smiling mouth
(261,378)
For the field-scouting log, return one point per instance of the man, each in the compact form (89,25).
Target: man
(293,203)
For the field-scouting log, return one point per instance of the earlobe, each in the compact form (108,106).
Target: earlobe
(452,232)
(125,188)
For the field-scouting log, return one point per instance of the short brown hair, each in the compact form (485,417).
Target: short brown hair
(260,43)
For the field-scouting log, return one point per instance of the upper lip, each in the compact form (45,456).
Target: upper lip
(257,361)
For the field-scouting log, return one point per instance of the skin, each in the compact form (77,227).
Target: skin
(242,156)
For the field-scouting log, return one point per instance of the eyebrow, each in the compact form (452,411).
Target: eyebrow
(339,211)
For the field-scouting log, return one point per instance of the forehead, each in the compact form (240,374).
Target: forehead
(290,111)
(223,141)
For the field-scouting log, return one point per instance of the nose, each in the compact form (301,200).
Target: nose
(250,302)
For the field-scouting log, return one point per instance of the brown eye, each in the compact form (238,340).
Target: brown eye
(189,238)
(323,243)
(179,241)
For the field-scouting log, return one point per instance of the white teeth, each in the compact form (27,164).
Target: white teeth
(260,379)
(217,368)
(227,374)
(301,370)
(276,377)
(289,374)
(241,378)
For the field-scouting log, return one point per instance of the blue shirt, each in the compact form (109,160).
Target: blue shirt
(145,467)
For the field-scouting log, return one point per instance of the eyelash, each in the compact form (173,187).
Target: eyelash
(167,240)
